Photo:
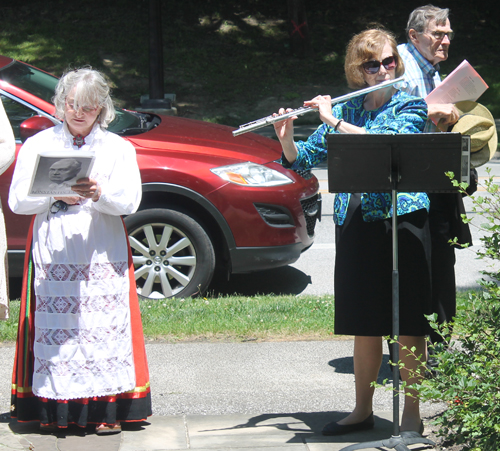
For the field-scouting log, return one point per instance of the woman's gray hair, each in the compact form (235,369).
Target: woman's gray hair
(419,18)
(90,90)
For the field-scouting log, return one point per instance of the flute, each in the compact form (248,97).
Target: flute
(259,123)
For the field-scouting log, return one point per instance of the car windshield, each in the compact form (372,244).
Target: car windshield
(30,80)
(43,85)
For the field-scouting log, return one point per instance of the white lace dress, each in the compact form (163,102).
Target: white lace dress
(82,345)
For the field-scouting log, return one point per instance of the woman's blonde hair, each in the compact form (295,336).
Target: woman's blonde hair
(90,89)
(364,47)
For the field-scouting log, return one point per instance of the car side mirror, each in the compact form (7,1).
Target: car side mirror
(33,125)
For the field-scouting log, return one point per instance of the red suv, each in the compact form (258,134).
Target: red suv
(210,201)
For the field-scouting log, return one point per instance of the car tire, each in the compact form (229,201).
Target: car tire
(172,253)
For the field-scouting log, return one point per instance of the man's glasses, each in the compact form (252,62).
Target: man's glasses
(439,35)
(372,67)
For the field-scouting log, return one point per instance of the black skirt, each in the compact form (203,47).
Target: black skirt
(364,268)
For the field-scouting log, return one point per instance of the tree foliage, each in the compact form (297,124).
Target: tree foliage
(232,52)
(467,376)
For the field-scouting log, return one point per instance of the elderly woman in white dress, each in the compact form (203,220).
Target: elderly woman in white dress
(80,355)
(7,154)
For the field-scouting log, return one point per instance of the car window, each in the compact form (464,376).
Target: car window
(126,123)
(17,113)
(30,79)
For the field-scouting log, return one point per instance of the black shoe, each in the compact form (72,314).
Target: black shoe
(340,429)
(414,434)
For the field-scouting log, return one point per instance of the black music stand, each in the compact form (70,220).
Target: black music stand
(388,163)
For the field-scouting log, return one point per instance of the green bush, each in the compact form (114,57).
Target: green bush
(467,375)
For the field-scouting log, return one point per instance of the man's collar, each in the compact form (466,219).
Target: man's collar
(423,63)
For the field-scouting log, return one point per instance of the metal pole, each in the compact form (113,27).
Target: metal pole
(395,314)
(156,90)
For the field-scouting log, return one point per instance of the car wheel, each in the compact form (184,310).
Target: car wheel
(172,254)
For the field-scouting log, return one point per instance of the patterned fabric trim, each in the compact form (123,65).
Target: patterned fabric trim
(85,272)
(82,304)
(74,337)
(143,389)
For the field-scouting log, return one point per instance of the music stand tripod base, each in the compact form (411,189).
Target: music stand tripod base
(398,443)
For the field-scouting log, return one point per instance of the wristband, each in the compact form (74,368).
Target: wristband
(336,128)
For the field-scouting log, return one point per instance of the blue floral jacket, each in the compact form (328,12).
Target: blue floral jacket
(402,114)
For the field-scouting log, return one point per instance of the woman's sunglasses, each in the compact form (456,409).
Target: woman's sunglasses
(372,67)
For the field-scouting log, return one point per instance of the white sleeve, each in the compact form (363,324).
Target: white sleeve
(19,201)
(122,192)
(7,142)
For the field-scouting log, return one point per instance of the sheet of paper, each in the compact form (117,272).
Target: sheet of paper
(464,83)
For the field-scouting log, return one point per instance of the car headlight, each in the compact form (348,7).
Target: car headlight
(251,174)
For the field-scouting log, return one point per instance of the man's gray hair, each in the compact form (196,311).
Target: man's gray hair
(419,18)
(90,90)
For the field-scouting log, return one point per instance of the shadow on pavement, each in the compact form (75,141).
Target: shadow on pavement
(71,438)
(345,365)
(285,280)
(307,425)
(33,427)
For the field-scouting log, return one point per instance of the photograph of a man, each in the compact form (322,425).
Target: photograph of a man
(64,172)
(54,176)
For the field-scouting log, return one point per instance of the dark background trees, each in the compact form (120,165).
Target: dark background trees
(231,61)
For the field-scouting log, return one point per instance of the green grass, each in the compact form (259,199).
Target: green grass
(238,318)
(8,328)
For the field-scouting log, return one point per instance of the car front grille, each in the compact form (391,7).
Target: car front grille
(305,174)
(312,212)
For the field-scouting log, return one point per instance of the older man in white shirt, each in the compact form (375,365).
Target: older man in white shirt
(429,35)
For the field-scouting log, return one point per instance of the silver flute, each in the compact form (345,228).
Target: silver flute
(259,123)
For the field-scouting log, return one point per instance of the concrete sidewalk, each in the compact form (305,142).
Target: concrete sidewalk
(267,432)
(270,396)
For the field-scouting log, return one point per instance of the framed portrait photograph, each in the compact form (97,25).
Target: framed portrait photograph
(56,172)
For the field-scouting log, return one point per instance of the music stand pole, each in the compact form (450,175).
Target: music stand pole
(395,309)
